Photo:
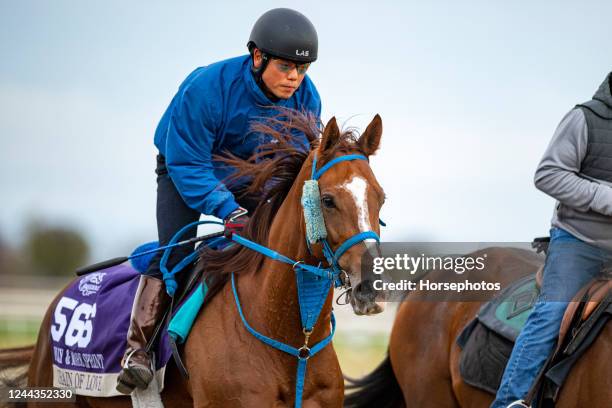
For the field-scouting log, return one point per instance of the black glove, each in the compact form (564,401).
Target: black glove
(235,222)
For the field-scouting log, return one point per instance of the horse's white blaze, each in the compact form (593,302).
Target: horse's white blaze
(358,188)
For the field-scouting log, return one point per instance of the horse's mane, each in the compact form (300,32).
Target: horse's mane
(268,175)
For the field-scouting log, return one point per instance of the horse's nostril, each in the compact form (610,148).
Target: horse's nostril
(368,286)
(365,291)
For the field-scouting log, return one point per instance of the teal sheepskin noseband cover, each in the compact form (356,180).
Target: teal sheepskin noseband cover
(313,216)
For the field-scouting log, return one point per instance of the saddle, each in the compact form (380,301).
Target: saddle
(488,339)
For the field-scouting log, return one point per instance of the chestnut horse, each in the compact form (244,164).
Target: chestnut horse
(227,366)
(422,367)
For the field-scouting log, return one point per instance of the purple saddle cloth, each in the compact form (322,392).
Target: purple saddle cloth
(88,332)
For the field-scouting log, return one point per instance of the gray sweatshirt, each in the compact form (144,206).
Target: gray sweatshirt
(584,204)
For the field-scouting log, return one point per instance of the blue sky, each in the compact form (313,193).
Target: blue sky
(469,92)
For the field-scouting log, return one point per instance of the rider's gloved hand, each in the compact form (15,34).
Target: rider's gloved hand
(235,222)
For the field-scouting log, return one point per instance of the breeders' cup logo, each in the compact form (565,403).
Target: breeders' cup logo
(302,53)
(91,283)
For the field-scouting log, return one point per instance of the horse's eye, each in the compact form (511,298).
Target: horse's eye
(328,202)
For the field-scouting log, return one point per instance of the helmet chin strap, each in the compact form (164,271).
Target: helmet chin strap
(258,74)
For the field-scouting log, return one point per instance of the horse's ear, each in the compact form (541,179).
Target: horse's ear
(331,134)
(370,139)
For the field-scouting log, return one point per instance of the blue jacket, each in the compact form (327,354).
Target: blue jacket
(210,114)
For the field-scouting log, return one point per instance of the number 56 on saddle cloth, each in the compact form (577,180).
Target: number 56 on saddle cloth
(88,332)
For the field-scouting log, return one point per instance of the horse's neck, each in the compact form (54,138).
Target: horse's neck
(273,289)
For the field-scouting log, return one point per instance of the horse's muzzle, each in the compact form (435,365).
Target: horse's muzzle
(363,299)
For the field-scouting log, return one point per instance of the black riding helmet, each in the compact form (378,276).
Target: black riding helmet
(282,33)
(285,33)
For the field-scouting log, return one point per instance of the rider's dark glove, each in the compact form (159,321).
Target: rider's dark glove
(235,222)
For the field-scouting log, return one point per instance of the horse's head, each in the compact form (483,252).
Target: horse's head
(340,199)
(350,202)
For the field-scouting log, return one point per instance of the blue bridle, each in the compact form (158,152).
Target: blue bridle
(333,257)
(313,282)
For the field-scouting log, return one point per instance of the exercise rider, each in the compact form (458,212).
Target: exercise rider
(211,114)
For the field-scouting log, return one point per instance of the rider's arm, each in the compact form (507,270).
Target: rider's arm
(558,172)
(190,139)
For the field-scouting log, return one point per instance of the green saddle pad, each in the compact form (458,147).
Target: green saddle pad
(507,312)
(487,341)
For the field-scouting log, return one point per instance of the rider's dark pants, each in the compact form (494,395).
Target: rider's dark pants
(172,215)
